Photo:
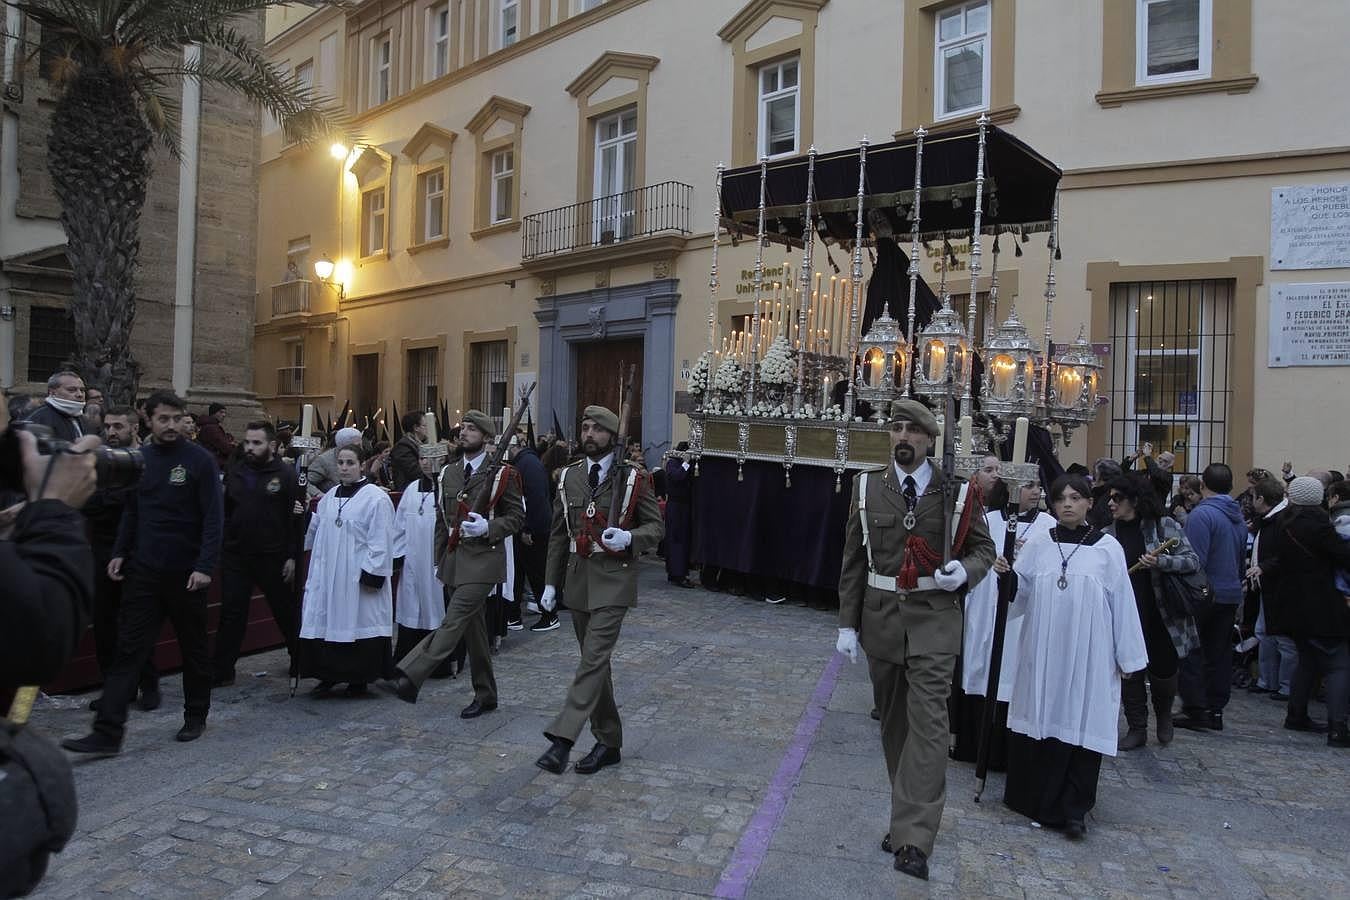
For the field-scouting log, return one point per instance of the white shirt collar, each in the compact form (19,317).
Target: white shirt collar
(477,461)
(922,476)
(605,462)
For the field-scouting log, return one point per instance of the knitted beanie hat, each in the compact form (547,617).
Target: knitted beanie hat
(1306,491)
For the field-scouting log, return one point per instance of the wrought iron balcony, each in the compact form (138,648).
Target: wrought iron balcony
(290,297)
(291,381)
(638,213)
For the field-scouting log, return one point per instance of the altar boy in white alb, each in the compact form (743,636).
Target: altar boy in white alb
(347,620)
(420,605)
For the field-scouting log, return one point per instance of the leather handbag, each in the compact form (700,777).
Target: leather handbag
(1190,592)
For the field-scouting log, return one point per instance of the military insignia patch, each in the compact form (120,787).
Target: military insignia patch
(274,486)
(178,475)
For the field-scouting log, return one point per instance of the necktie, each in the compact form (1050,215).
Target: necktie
(468,471)
(595,476)
(910,490)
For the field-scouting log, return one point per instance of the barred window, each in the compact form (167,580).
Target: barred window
(51,341)
(487,378)
(423,390)
(1169,363)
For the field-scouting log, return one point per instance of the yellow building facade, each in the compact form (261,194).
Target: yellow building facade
(529,195)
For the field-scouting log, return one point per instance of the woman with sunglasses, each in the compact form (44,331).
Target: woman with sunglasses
(1079,635)
(1169,631)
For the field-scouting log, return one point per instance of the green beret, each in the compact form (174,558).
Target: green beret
(605,418)
(905,410)
(481,421)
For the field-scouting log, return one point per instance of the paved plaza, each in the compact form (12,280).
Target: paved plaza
(751,768)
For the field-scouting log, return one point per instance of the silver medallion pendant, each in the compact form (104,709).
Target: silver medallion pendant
(910,521)
(590,510)
(1063,583)
(338,521)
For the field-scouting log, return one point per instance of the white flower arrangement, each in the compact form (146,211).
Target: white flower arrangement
(714,406)
(767,410)
(730,377)
(833,414)
(776,366)
(698,379)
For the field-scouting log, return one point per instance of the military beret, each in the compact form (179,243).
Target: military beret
(605,418)
(906,410)
(481,421)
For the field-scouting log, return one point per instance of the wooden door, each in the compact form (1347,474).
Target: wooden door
(599,366)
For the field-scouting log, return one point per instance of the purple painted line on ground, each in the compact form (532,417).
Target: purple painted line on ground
(758,834)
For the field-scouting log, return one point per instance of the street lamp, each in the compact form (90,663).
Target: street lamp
(323,268)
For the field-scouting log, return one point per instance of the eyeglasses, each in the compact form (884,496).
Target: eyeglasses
(1116,498)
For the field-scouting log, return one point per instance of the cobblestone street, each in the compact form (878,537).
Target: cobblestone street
(751,767)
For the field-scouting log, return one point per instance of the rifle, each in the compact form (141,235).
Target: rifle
(476,495)
(618,470)
(949,487)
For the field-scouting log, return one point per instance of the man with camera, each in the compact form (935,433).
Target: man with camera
(47,569)
(167,548)
(103,514)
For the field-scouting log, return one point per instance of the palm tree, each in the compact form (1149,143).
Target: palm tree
(119,65)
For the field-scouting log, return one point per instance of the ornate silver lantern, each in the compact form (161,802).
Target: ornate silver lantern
(1010,388)
(942,344)
(1075,374)
(883,355)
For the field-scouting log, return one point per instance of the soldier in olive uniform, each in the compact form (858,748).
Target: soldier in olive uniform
(597,566)
(471,567)
(905,607)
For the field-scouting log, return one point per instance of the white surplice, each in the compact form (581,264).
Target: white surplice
(981,605)
(337,607)
(1075,644)
(421,603)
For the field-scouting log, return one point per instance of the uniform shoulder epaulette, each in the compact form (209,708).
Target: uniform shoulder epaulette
(573,465)
(873,469)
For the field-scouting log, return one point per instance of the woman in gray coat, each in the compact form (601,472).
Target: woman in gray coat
(1169,630)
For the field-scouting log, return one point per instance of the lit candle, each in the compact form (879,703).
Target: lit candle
(1001,370)
(937,362)
(307,420)
(967,434)
(1020,439)
(431,427)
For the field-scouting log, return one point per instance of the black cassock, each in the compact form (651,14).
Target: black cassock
(679,518)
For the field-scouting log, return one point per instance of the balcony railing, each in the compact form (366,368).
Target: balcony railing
(641,212)
(290,297)
(291,381)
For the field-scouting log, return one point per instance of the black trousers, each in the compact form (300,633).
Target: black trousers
(239,574)
(1329,657)
(531,560)
(107,608)
(150,596)
(1049,781)
(1206,675)
(1162,653)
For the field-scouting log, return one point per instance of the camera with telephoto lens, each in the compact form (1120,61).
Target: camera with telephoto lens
(114,467)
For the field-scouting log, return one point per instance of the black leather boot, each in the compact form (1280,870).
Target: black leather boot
(1164,692)
(1134,699)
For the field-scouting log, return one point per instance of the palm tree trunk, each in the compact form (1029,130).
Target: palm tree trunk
(98,156)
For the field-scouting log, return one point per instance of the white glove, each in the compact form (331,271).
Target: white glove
(474,526)
(549,600)
(616,539)
(847,644)
(951,576)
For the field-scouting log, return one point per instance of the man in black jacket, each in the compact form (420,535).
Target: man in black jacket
(63,412)
(263,536)
(167,547)
(103,513)
(406,456)
(531,543)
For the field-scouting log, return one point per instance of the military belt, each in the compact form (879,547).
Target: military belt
(891,583)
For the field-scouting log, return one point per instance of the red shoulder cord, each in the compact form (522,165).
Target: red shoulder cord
(593,526)
(921,558)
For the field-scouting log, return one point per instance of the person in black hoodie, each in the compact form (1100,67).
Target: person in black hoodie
(531,542)
(263,535)
(168,545)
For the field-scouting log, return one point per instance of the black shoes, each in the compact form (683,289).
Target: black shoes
(1216,720)
(1279,697)
(474,709)
(401,687)
(357,689)
(1195,721)
(886,844)
(682,583)
(150,699)
(555,757)
(515,625)
(601,755)
(547,622)
(912,861)
(1304,724)
(321,688)
(219,681)
(1075,830)
(191,730)
(876,714)
(94,744)
(1339,736)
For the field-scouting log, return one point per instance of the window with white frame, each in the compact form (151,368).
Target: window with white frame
(432,196)
(304,75)
(779,107)
(381,69)
(373,220)
(438,36)
(508,23)
(961,60)
(616,150)
(1173,39)
(502,188)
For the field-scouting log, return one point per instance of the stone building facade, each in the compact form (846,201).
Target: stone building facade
(194,317)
